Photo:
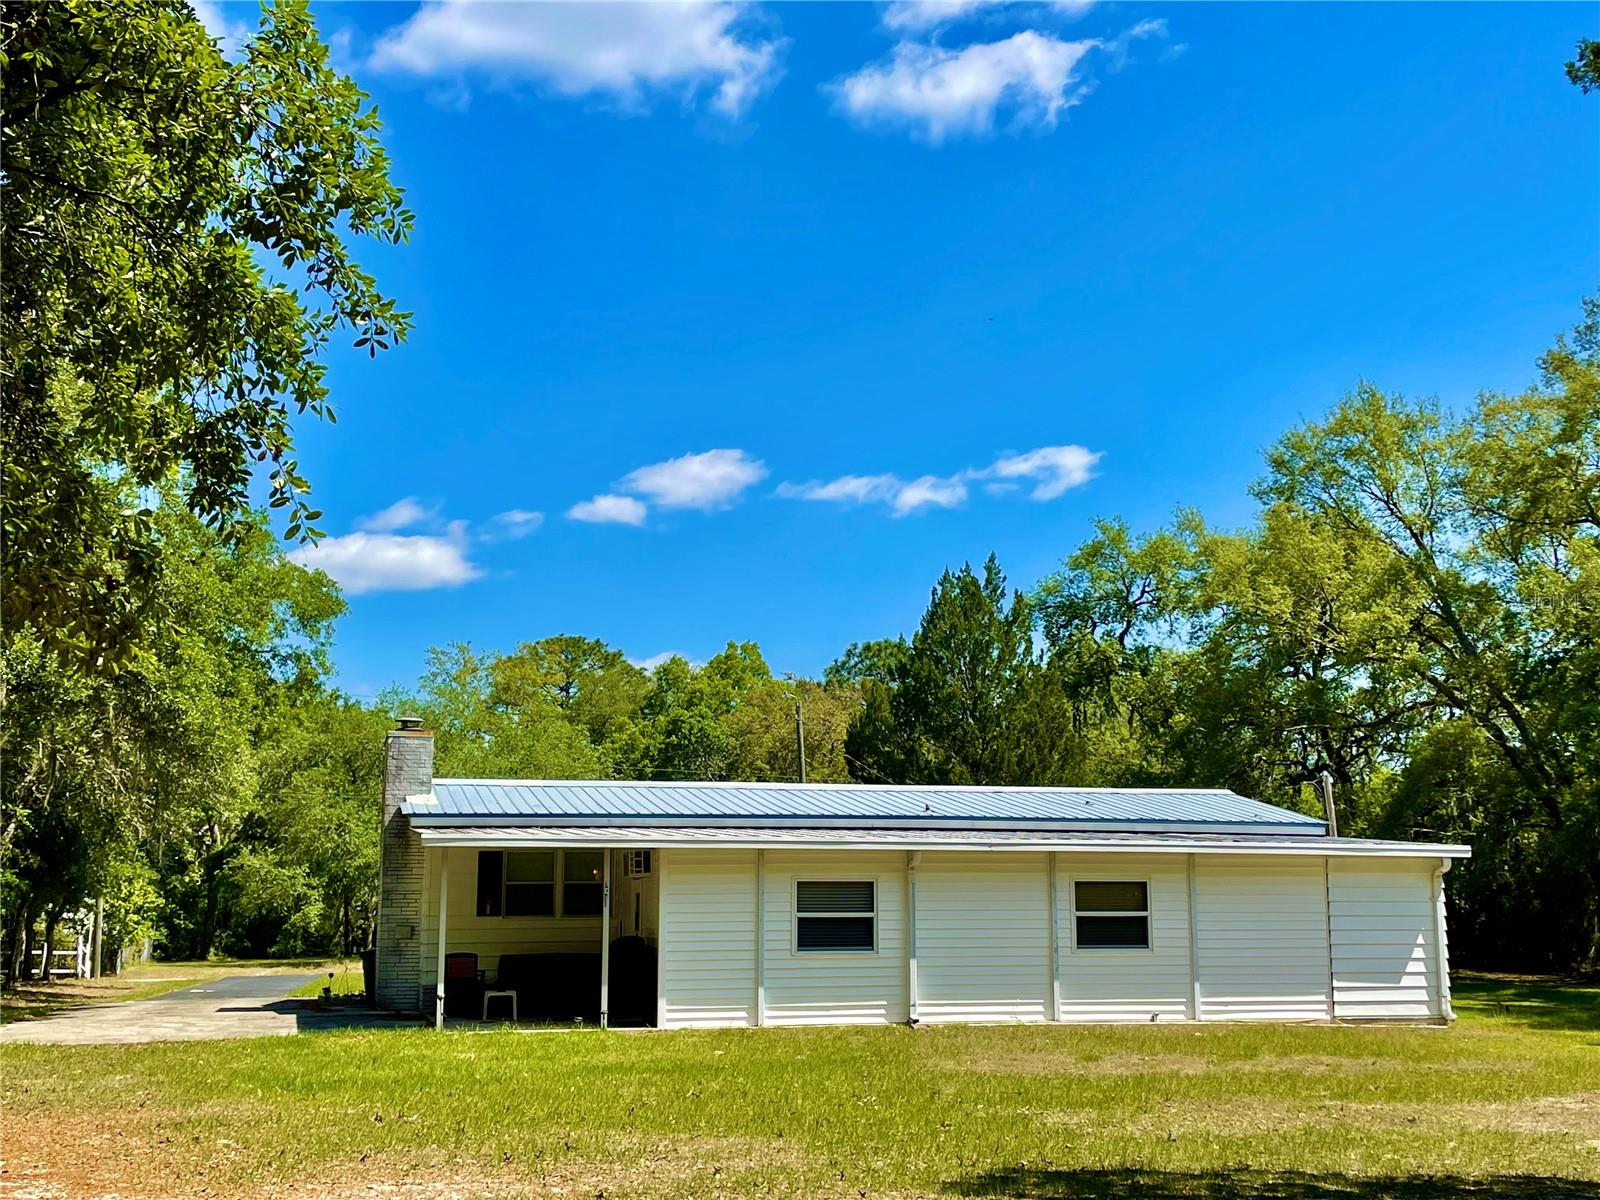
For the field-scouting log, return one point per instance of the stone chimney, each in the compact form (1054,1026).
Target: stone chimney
(407,774)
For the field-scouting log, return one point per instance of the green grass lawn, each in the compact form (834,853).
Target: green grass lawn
(1505,1103)
(344,978)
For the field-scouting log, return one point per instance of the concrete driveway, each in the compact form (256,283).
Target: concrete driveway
(237,1006)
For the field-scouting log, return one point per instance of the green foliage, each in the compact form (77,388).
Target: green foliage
(176,263)
(156,775)
(1584,70)
(968,700)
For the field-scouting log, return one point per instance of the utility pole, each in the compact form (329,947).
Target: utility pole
(1325,783)
(799,724)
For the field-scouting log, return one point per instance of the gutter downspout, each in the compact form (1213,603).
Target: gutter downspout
(1441,963)
(913,858)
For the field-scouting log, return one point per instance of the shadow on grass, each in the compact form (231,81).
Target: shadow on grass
(29,1006)
(1535,1003)
(311,1016)
(1022,1184)
(32,999)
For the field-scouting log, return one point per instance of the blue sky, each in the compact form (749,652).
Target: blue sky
(929,282)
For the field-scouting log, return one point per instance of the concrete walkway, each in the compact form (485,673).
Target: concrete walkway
(237,1006)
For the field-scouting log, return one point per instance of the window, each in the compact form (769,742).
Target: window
(530,883)
(582,878)
(636,862)
(834,915)
(540,883)
(1111,916)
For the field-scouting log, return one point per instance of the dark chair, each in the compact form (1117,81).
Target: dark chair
(463,985)
(553,987)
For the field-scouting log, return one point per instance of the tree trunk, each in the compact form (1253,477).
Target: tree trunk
(13,931)
(27,941)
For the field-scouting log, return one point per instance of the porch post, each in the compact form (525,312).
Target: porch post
(438,975)
(605,941)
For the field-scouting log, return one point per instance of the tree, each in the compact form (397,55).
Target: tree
(1584,69)
(476,737)
(594,684)
(145,336)
(968,702)
(107,780)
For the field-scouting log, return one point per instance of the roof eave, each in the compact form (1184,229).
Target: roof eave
(427,817)
(1166,843)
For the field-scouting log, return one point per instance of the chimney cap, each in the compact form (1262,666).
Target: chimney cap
(408,724)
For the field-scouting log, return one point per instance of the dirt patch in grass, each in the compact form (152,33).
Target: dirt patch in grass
(1576,1116)
(138,1154)
(72,1154)
(1047,1063)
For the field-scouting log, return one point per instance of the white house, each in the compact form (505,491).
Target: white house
(786,904)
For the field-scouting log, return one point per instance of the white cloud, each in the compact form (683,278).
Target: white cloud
(939,93)
(713,479)
(930,491)
(1118,49)
(391,562)
(627,52)
(901,497)
(1054,469)
(512,524)
(917,16)
(609,509)
(229,22)
(1051,469)
(400,515)
(855,489)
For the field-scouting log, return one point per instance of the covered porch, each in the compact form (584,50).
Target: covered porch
(539,929)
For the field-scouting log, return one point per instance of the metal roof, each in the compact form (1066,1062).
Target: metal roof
(488,802)
(907,838)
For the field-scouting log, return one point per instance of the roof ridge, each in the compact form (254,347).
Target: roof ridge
(772,784)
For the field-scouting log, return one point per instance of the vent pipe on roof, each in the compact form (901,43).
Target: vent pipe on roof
(1325,783)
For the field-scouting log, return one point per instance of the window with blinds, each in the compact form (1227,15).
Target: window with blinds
(1111,915)
(834,915)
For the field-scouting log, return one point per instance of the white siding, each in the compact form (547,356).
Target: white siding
(1261,927)
(487,937)
(1127,985)
(843,988)
(708,937)
(1381,914)
(983,937)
